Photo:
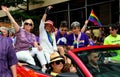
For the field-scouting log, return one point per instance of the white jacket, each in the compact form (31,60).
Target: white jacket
(44,41)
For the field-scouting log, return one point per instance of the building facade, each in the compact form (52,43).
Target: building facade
(76,10)
(79,10)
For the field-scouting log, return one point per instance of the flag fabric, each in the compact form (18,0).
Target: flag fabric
(93,18)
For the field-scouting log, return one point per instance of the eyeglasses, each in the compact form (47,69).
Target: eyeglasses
(111,29)
(30,24)
(74,28)
(60,61)
(63,30)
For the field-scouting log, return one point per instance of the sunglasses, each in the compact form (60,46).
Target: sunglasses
(60,61)
(30,24)
(63,30)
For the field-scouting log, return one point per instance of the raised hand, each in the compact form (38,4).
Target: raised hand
(4,8)
(16,26)
(48,9)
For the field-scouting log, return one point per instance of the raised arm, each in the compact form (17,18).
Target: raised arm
(16,26)
(46,12)
(84,27)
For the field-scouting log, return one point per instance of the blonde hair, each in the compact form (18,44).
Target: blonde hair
(30,21)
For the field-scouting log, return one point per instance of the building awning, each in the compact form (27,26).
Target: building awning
(46,3)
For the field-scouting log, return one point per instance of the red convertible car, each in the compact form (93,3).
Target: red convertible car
(80,60)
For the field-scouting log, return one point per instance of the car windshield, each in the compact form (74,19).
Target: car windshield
(101,62)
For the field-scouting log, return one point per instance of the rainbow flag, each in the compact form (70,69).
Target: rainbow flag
(93,18)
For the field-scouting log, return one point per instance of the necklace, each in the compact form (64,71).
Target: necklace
(77,39)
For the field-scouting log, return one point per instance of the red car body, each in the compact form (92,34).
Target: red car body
(76,59)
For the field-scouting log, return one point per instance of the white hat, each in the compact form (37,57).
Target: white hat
(55,57)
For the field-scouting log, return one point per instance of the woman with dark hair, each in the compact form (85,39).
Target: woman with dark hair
(56,63)
(69,68)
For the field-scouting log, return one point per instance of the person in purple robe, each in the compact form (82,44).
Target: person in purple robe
(8,59)
(61,38)
(61,34)
(77,38)
(5,33)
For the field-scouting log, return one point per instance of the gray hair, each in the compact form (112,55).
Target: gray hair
(75,24)
(4,28)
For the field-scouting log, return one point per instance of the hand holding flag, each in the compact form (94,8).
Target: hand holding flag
(93,18)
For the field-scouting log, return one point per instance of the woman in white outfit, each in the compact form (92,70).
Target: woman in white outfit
(47,36)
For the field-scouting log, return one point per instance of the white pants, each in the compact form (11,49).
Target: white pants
(47,57)
(26,56)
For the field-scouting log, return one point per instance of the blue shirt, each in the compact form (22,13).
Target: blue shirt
(83,40)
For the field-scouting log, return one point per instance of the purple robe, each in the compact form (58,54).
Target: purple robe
(61,39)
(7,57)
(83,40)
(24,40)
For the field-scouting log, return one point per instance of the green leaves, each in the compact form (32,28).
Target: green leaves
(9,3)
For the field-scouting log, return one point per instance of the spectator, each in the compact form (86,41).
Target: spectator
(77,39)
(25,40)
(8,59)
(47,36)
(5,31)
(12,37)
(113,39)
(56,63)
(90,36)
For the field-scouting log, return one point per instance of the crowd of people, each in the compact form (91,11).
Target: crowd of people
(52,44)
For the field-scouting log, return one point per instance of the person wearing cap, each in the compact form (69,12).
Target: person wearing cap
(47,36)
(77,38)
(26,45)
(56,63)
